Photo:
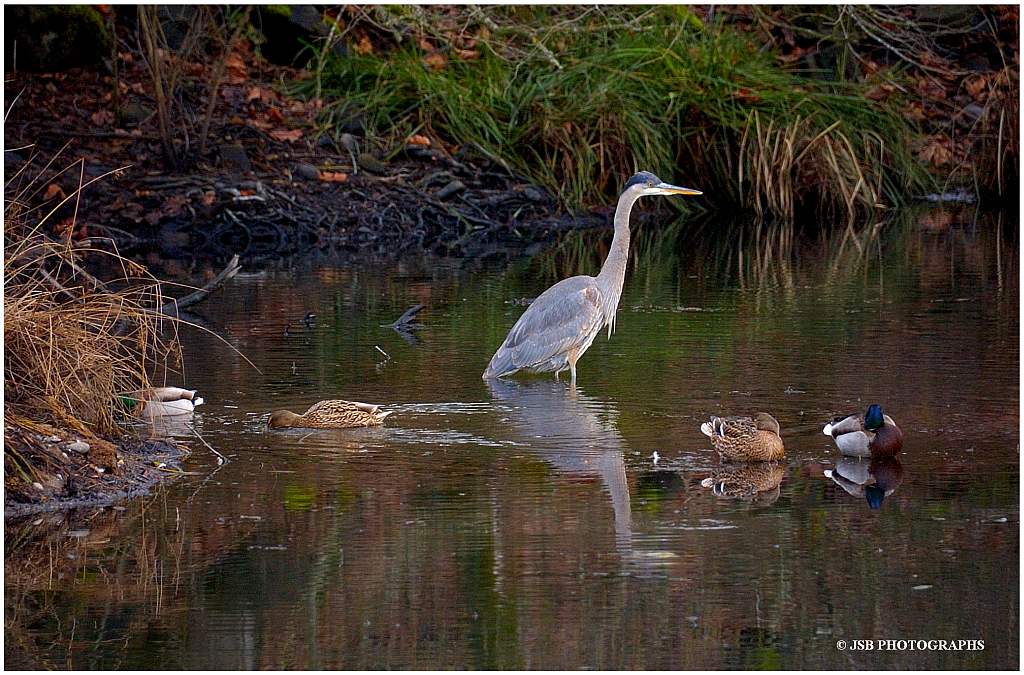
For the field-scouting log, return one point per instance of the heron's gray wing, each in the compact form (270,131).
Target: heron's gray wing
(567,315)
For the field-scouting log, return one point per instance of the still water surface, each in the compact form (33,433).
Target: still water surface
(525,524)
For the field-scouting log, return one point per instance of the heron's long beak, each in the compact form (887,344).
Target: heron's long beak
(666,189)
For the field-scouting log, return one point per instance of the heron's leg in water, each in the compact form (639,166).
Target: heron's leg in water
(571,359)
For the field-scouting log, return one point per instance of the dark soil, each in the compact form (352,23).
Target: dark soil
(63,477)
(272,181)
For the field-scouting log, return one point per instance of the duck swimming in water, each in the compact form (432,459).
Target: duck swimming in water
(873,434)
(746,439)
(163,402)
(332,414)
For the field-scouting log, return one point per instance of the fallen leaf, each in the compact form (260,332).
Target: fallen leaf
(254,94)
(419,140)
(976,87)
(936,152)
(53,190)
(274,115)
(173,205)
(880,92)
(286,135)
(260,122)
(333,176)
(468,54)
(745,95)
(426,46)
(436,61)
(914,111)
(363,46)
(64,227)
(870,67)
(102,118)
(237,72)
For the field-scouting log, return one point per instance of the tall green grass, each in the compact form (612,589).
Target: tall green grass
(694,103)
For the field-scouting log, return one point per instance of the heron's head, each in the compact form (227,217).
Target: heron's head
(646,183)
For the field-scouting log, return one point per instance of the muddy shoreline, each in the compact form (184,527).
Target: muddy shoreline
(80,474)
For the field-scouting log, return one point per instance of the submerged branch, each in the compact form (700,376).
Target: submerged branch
(173,307)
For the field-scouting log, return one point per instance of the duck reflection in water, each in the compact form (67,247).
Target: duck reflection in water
(756,482)
(573,433)
(873,480)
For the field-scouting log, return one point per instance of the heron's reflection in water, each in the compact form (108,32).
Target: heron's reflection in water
(573,433)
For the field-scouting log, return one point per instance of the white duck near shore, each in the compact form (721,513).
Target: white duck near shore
(164,402)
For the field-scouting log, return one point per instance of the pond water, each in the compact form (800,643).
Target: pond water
(525,524)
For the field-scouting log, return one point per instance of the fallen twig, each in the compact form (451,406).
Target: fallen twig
(221,459)
(402,322)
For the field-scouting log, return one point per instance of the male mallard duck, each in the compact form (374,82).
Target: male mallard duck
(869,435)
(335,414)
(745,439)
(750,482)
(163,402)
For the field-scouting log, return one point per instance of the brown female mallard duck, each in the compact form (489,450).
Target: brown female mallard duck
(746,439)
(872,434)
(334,414)
(748,482)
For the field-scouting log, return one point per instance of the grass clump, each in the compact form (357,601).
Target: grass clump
(617,89)
(73,344)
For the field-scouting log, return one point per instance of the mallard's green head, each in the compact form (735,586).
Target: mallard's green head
(873,419)
(127,402)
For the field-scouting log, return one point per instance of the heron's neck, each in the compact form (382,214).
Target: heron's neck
(613,273)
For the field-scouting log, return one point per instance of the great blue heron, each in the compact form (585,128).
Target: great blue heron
(558,327)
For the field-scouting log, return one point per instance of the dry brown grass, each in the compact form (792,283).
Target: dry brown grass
(778,165)
(74,343)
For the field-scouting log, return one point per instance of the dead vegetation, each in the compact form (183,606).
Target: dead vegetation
(74,343)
